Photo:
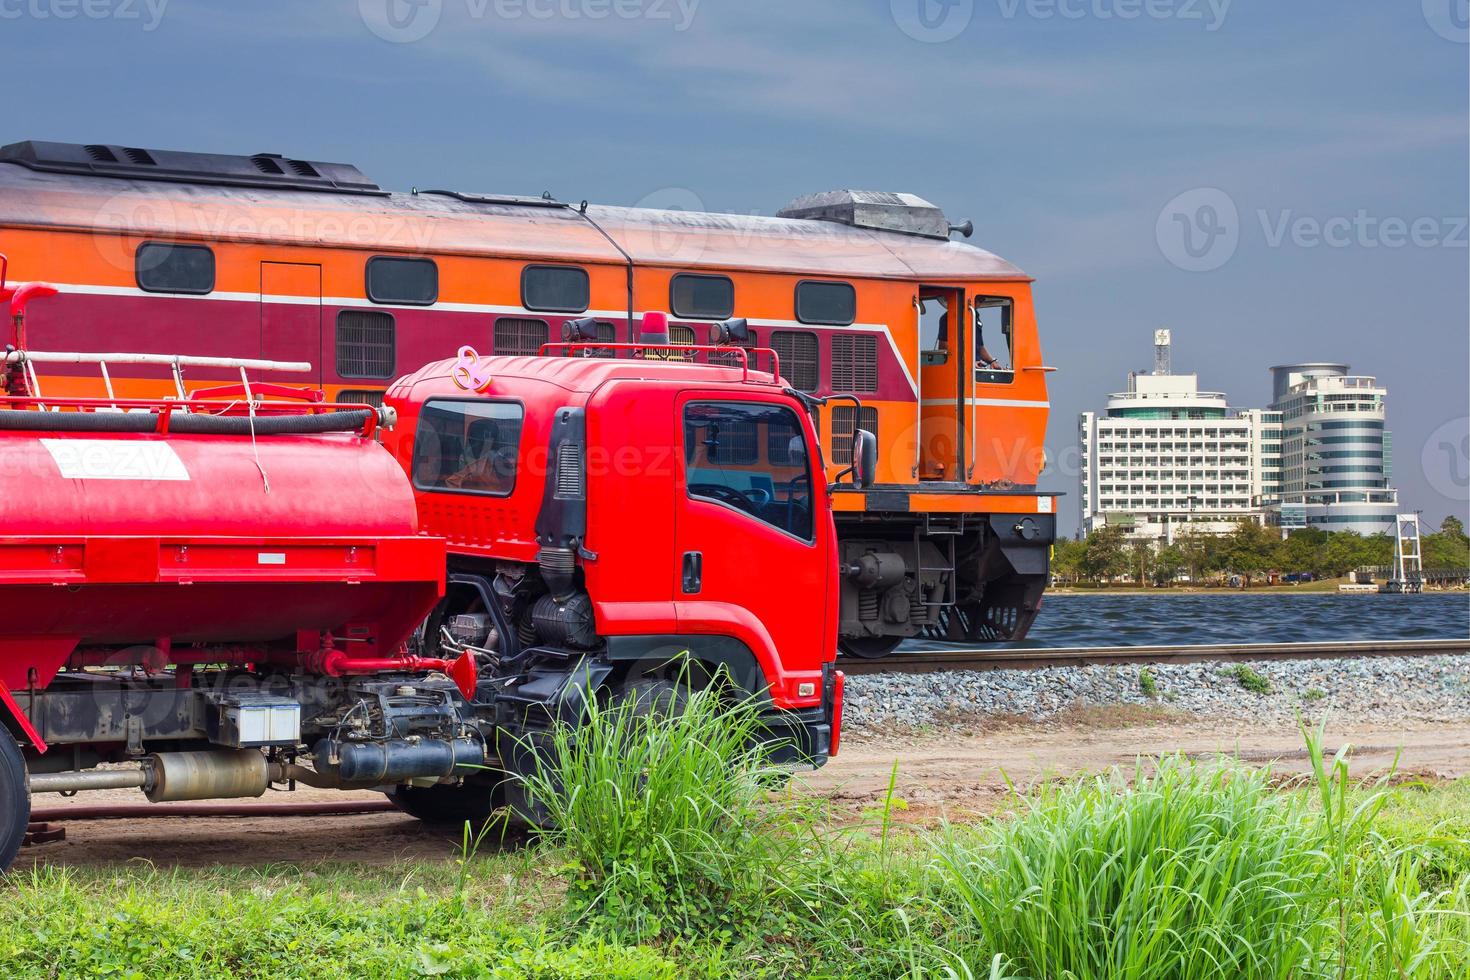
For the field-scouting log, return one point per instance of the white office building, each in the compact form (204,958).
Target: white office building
(1165,455)
(1336,452)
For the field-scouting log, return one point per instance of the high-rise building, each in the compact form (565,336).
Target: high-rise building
(1336,452)
(1164,455)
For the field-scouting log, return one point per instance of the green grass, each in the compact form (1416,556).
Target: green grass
(1147,683)
(685,863)
(1249,678)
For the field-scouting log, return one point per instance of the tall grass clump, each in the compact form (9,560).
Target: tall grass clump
(1201,870)
(1193,871)
(660,803)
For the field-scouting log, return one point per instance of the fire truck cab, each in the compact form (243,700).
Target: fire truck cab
(618,522)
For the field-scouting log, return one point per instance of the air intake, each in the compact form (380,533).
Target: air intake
(874,210)
(131,162)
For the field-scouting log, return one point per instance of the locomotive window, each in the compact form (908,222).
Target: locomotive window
(555,288)
(831,303)
(722,446)
(854,362)
(467,447)
(518,335)
(406,282)
(164,267)
(702,297)
(797,351)
(994,335)
(365,344)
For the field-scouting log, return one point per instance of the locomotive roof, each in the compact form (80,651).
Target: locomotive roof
(435,223)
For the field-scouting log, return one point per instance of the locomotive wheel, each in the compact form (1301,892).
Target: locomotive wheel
(868,647)
(473,801)
(15,799)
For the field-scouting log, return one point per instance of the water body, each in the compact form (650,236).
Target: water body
(1144,620)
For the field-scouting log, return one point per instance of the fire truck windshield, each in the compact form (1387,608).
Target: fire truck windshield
(467,446)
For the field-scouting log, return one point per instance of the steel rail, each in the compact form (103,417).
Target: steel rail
(930,661)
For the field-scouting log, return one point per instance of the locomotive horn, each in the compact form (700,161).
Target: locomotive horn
(733,331)
(967,229)
(584,328)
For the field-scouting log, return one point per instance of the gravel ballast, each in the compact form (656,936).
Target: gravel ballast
(1366,689)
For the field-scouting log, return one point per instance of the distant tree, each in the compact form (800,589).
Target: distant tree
(1168,563)
(1343,552)
(1249,550)
(1102,556)
(1141,557)
(1066,559)
(1302,551)
(1448,547)
(1201,552)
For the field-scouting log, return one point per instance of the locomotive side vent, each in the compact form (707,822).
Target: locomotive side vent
(845,422)
(854,362)
(258,170)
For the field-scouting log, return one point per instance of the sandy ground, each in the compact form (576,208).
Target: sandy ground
(940,776)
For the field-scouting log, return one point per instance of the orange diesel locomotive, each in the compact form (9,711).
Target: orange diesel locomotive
(860,294)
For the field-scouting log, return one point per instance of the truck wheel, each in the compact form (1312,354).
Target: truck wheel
(473,801)
(650,697)
(15,799)
(869,647)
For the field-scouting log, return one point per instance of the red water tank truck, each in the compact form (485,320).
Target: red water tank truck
(243,587)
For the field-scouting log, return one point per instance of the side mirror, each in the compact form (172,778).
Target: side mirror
(864,458)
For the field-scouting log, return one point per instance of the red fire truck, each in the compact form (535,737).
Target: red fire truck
(243,587)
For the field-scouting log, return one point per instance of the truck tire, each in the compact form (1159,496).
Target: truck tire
(652,696)
(473,801)
(15,799)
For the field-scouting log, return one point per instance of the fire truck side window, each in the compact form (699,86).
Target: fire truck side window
(730,458)
(467,447)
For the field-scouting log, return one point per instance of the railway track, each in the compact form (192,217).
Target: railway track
(930,661)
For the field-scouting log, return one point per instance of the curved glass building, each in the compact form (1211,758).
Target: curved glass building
(1336,451)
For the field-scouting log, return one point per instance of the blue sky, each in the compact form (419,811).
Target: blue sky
(1066,129)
